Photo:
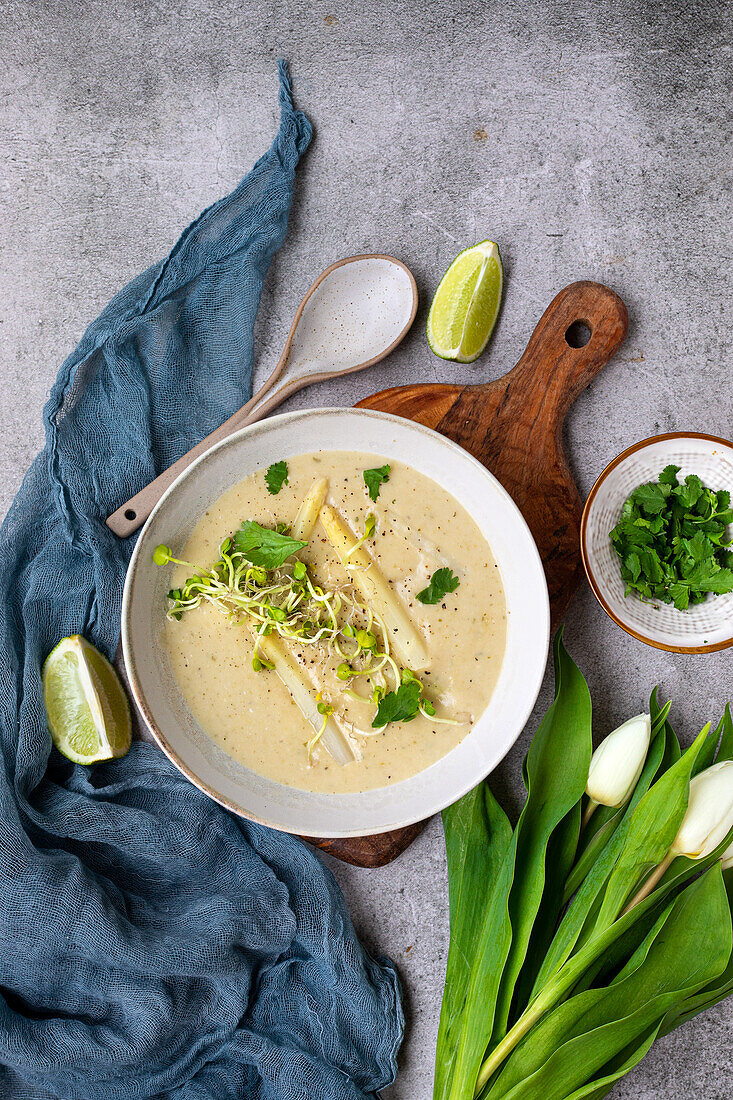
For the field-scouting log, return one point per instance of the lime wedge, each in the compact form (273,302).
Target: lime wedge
(466,304)
(87,709)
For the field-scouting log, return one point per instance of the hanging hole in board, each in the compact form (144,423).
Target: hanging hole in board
(578,334)
(129,514)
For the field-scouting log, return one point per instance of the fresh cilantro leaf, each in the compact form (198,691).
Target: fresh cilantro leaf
(276,476)
(264,547)
(689,493)
(398,706)
(719,582)
(633,565)
(441,583)
(668,475)
(680,594)
(699,548)
(651,497)
(673,540)
(374,478)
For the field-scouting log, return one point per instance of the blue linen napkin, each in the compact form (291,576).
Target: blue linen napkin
(151,944)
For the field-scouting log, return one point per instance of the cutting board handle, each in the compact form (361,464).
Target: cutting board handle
(579,332)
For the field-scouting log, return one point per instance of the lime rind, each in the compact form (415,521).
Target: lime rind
(86,706)
(466,304)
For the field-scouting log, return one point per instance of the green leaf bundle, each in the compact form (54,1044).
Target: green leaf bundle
(672,540)
(561,972)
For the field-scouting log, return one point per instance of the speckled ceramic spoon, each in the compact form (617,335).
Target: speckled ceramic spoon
(355,313)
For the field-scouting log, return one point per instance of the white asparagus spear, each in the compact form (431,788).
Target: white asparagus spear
(404,637)
(307,515)
(275,650)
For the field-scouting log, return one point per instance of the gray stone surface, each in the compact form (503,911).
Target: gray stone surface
(588,138)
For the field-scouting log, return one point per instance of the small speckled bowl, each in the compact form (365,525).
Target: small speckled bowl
(708,626)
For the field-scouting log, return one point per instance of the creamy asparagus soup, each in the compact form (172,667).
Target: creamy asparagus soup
(335,622)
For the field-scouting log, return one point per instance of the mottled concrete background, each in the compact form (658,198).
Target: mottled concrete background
(591,139)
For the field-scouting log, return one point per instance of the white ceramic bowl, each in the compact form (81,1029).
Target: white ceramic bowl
(704,628)
(274,804)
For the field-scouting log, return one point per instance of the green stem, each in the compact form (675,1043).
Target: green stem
(650,883)
(526,1021)
(589,811)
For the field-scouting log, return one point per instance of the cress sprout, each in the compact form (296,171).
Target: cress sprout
(258,581)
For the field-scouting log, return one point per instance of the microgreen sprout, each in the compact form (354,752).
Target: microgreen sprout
(283,599)
(369,529)
(326,710)
(258,663)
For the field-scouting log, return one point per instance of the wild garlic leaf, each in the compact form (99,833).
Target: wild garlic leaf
(442,582)
(478,836)
(556,770)
(263,546)
(586,884)
(687,946)
(374,479)
(398,706)
(276,476)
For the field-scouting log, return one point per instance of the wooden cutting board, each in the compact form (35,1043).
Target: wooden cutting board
(514,427)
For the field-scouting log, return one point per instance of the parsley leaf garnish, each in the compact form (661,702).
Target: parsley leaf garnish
(374,479)
(276,476)
(672,540)
(400,705)
(264,547)
(442,582)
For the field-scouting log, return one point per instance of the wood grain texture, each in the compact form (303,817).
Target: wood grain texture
(514,427)
(369,851)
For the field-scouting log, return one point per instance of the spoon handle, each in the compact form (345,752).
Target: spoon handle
(132,514)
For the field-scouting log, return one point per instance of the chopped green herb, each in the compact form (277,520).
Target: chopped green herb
(264,547)
(374,479)
(442,582)
(276,476)
(399,706)
(672,540)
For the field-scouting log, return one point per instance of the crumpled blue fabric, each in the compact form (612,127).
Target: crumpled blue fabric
(152,944)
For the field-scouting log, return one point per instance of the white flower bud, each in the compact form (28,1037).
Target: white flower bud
(618,761)
(709,816)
